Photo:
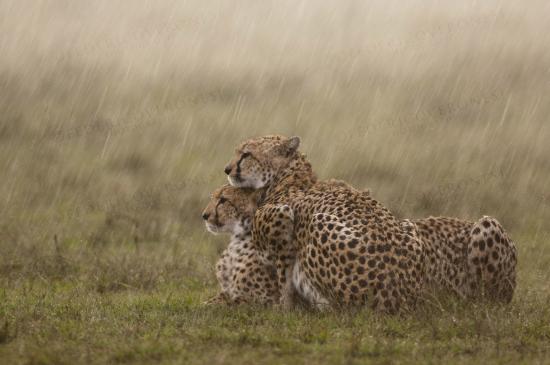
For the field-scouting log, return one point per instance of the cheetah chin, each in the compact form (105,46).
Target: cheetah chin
(212,228)
(248,183)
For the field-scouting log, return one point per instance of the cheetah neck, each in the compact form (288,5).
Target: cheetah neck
(238,240)
(241,236)
(297,176)
(242,232)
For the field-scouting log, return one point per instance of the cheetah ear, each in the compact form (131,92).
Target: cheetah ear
(290,146)
(293,143)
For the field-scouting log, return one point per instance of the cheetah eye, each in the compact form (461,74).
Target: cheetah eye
(245,155)
(224,200)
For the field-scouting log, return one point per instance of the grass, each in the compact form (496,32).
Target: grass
(54,318)
(116,122)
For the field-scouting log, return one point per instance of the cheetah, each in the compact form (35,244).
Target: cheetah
(244,275)
(469,259)
(346,247)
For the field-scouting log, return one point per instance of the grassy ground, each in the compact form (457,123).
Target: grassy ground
(116,122)
(78,305)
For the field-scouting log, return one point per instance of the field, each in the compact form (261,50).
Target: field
(117,118)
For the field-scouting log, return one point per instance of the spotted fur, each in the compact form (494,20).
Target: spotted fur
(470,259)
(244,274)
(346,247)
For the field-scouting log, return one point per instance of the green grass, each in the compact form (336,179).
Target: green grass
(116,122)
(134,308)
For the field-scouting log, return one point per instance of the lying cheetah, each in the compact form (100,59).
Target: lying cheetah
(449,245)
(347,248)
(469,259)
(244,275)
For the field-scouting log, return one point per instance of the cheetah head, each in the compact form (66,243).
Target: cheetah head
(258,160)
(230,210)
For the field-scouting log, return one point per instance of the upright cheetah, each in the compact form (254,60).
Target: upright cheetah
(347,247)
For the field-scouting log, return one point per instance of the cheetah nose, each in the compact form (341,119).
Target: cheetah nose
(227,169)
(205,216)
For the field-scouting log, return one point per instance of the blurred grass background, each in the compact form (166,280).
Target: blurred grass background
(116,120)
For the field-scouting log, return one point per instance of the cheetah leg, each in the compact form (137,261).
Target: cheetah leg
(223,272)
(274,234)
(410,274)
(492,259)
(218,299)
(249,286)
(306,291)
(416,262)
(284,274)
